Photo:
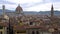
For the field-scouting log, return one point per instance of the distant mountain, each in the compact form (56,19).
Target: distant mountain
(33,13)
(43,13)
(30,12)
(49,12)
(1,11)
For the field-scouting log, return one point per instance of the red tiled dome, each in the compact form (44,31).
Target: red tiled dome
(19,9)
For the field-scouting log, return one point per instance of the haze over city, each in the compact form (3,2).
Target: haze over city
(31,5)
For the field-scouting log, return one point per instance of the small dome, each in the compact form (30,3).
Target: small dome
(19,9)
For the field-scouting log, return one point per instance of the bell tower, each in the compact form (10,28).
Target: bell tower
(52,11)
(3,9)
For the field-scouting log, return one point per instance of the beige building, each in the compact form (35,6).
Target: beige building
(3,30)
(3,27)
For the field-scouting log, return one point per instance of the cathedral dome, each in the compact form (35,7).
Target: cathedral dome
(19,9)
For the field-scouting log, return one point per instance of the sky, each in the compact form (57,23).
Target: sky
(31,5)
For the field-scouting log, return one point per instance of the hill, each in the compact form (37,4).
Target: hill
(34,12)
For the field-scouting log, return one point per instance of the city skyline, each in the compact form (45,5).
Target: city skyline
(31,5)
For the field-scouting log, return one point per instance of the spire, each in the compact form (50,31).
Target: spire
(52,7)
(52,11)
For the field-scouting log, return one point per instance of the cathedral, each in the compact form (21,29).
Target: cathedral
(29,24)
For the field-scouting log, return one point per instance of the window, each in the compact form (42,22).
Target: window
(33,32)
(37,32)
(0,32)
(31,23)
(21,31)
(1,27)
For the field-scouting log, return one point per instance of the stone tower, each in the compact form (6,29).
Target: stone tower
(52,11)
(4,15)
(3,9)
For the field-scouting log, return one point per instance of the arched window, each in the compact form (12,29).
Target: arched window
(33,32)
(0,32)
(1,27)
(37,32)
(31,23)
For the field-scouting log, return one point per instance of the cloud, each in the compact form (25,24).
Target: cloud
(25,1)
(40,7)
(44,7)
(5,2)
(57,6)
(31,5)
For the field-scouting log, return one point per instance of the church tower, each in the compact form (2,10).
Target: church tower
(4,15)
(52,11)
(3,9)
